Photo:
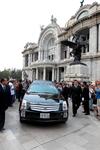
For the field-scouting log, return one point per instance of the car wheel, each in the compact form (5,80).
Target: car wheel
(20,118)
(64,121)
(66,118)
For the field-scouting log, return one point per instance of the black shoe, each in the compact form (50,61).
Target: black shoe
(87,114)
(1,130)
(74,115)
(91,109)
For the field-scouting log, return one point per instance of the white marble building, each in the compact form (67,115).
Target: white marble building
(49,59)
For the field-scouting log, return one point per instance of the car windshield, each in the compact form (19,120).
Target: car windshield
(43,88)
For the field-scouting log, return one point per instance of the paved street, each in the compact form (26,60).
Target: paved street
(79,133)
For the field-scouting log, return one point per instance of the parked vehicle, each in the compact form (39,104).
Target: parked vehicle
(43,103)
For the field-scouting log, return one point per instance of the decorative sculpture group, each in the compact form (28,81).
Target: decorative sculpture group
(76,45)
(76,53)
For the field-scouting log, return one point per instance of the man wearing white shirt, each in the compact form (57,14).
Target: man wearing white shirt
(12,91)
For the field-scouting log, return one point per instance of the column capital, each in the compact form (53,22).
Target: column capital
(53,74)
(37,73)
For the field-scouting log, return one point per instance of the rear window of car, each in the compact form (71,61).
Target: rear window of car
(43,88)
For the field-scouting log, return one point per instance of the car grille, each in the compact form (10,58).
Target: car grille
(45,108)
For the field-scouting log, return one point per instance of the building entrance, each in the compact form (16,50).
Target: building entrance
(49,74)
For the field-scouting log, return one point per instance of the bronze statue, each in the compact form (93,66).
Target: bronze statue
(76,53)
(76,46)
(82,3)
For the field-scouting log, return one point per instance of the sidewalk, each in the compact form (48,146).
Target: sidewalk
(79,133)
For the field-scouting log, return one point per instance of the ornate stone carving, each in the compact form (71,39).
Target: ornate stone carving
(53,20)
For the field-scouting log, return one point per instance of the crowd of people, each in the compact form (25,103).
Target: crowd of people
(80,93)
(10,90)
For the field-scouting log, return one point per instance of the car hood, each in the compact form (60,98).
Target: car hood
(42,98)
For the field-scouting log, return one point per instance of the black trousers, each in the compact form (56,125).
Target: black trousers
(86,106)
(2,119)
(74,108)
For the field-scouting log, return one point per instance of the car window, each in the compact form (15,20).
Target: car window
(43,88)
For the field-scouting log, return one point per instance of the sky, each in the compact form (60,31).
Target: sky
(20,22)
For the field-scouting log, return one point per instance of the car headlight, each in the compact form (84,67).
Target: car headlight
(24,104)
(64,105)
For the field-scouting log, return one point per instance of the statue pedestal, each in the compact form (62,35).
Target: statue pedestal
(77,71)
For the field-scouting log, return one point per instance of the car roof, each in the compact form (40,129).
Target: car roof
(42,81)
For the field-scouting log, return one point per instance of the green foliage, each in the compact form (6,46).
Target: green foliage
(14,74)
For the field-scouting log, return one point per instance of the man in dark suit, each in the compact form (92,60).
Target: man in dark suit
(85,95)
(5,98)
(76,93)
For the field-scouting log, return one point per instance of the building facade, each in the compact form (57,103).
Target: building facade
(49,59)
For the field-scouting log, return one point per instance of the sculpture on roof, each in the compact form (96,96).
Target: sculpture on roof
(42,27)
(82,3)
(53,20)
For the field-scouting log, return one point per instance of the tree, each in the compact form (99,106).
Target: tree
(14,74)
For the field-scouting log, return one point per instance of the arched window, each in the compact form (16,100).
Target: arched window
(51,49)
(82,15)
(51,43)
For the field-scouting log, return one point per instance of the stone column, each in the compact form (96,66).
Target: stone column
(22,75)
(23,61)
(93,40)
(37,73)
(53,74)
(30,60)
(44,73)
(58,74)
(42,55)
(46,55)
(33,74)
(39,56)
(99,39)
(65,70)
(68,52)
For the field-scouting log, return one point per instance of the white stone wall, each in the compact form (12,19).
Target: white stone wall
(29,73)
(99,39)
(93,68)
(93,40)
(98,70)
(23,61)
(58,53)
